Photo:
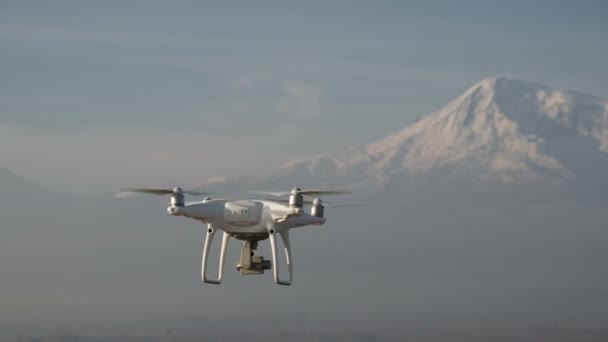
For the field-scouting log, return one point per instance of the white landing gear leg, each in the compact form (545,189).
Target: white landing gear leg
(273,245)
(208,240)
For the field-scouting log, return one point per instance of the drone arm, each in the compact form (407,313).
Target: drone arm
(206,248)
(273,245)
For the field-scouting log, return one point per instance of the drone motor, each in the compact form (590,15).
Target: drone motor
(177,198)
(317,209)
(296,200)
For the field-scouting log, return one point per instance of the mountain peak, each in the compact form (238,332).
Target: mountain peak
(491,85)
(500,129)
(488,84)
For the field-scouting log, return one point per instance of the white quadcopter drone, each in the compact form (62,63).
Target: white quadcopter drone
(250,220)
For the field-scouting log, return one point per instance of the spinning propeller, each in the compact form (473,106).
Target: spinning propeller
(307,192)
(161,191)
(296,198)
(325,203)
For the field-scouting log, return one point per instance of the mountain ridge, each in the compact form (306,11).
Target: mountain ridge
(500,129)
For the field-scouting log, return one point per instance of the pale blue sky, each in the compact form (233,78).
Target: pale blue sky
(97,92)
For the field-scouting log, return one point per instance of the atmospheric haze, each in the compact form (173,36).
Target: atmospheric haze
(473,214)
(486,195)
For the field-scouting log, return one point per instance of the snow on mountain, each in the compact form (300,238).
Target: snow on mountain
(501,129)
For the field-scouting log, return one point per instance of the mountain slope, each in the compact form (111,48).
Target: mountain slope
(501,129)
(16,191)
(14,187)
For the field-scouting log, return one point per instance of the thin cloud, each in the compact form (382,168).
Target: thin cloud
(275,98)
(301,101)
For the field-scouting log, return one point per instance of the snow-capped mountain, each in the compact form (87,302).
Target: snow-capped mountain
(501,129)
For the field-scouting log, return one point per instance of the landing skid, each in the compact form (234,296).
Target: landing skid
(208,239)
(248,263)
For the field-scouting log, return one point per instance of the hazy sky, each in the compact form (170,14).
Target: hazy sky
(99,95)
(96,95)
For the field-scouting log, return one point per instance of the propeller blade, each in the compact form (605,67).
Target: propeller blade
(318,193)
(151,191)
(326,204)
(271,193)
(343,205)
(157,191)
(212,200)
(197,193)
(306,192)
(283,200)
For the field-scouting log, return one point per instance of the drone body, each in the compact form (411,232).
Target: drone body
(250,220)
